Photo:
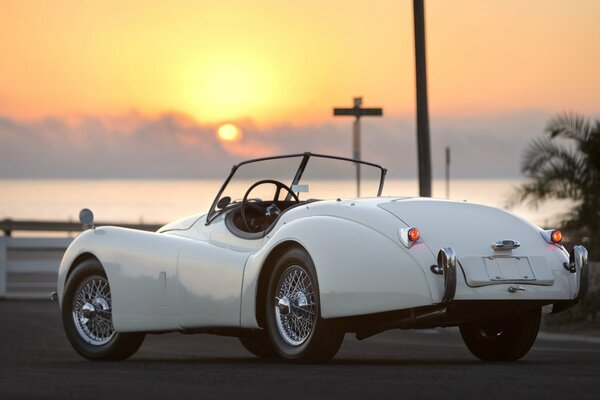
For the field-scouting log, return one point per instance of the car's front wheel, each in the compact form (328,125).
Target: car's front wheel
(506,339)
(294,322)
(87,316)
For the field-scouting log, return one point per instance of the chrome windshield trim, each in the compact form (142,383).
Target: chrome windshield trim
(304,157)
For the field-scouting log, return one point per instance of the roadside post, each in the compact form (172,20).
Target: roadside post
(357,111)
(3,266)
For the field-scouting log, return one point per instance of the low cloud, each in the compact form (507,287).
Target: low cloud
(176,146)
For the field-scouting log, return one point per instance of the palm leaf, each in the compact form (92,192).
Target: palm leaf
(569,125)
(556,172)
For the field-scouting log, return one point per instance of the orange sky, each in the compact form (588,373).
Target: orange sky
(291,61)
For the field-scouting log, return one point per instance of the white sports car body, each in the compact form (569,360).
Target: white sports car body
(290,272)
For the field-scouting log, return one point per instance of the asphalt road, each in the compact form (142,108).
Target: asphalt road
(36,361)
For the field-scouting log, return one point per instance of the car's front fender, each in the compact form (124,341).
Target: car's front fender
(133,261)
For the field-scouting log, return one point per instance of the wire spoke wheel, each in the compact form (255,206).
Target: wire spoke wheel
(293,312)
(87,316)
(92,311)
(295,309)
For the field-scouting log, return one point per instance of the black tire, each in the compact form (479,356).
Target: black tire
(118,346)
(507,339)
(259,343)
(325,336)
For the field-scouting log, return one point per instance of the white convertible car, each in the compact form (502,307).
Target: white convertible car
(293,263)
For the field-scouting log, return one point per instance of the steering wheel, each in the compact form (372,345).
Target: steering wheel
(246,203)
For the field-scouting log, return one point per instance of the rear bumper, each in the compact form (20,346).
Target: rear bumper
(480,304)
(578,264)
(568,283)
(446,266)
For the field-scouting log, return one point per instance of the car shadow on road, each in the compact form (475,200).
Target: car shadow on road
(333,363)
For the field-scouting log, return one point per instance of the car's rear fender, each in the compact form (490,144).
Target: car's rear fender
(360,271)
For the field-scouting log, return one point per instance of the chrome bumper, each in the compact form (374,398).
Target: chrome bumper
(446,266)
(578,264)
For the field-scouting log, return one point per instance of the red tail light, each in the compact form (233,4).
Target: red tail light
(414,234)
(556,236)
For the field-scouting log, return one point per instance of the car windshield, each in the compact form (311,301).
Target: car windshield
(310,176)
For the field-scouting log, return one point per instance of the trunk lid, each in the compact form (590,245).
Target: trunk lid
(471,229)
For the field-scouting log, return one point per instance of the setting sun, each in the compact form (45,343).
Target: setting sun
(229,133)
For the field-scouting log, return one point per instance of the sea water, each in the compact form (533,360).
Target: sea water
(161,201)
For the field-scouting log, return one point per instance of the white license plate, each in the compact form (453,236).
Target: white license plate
(508,268)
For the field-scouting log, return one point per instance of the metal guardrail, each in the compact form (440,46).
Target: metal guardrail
(29,265)
(8,226)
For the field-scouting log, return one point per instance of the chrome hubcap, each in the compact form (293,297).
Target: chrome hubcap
(92,312)
(284,305)
(295,306)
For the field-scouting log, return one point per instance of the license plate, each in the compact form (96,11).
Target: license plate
(508,268)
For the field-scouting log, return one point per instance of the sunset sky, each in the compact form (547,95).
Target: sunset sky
(121,80)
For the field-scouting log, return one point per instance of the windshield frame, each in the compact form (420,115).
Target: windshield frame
(304,157)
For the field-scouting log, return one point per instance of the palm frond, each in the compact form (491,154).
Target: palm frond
(555,172)
(569,125)
(530,193)
(545,157)
(592,147)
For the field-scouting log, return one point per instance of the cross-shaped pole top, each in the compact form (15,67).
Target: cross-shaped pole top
(357,111)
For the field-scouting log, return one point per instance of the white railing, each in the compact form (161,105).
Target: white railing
(29,266)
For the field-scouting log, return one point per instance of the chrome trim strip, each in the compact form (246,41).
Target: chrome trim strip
(446,261)
(579,259)
(547,235)
(506,244)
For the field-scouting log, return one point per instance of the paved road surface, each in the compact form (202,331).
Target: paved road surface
(36,361)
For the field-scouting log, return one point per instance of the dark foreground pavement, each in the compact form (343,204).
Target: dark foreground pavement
(36,361)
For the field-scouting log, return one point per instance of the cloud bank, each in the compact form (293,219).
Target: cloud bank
(174,145)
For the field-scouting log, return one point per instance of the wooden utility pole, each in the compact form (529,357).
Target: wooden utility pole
(357,112)
(423,146)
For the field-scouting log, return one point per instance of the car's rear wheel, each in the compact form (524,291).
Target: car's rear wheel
(87,316)
(293,311)
(259,343)
(506,339)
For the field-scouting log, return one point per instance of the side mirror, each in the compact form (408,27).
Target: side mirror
(86,217)
(223,202)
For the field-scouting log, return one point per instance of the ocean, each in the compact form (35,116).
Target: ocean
(161,201)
